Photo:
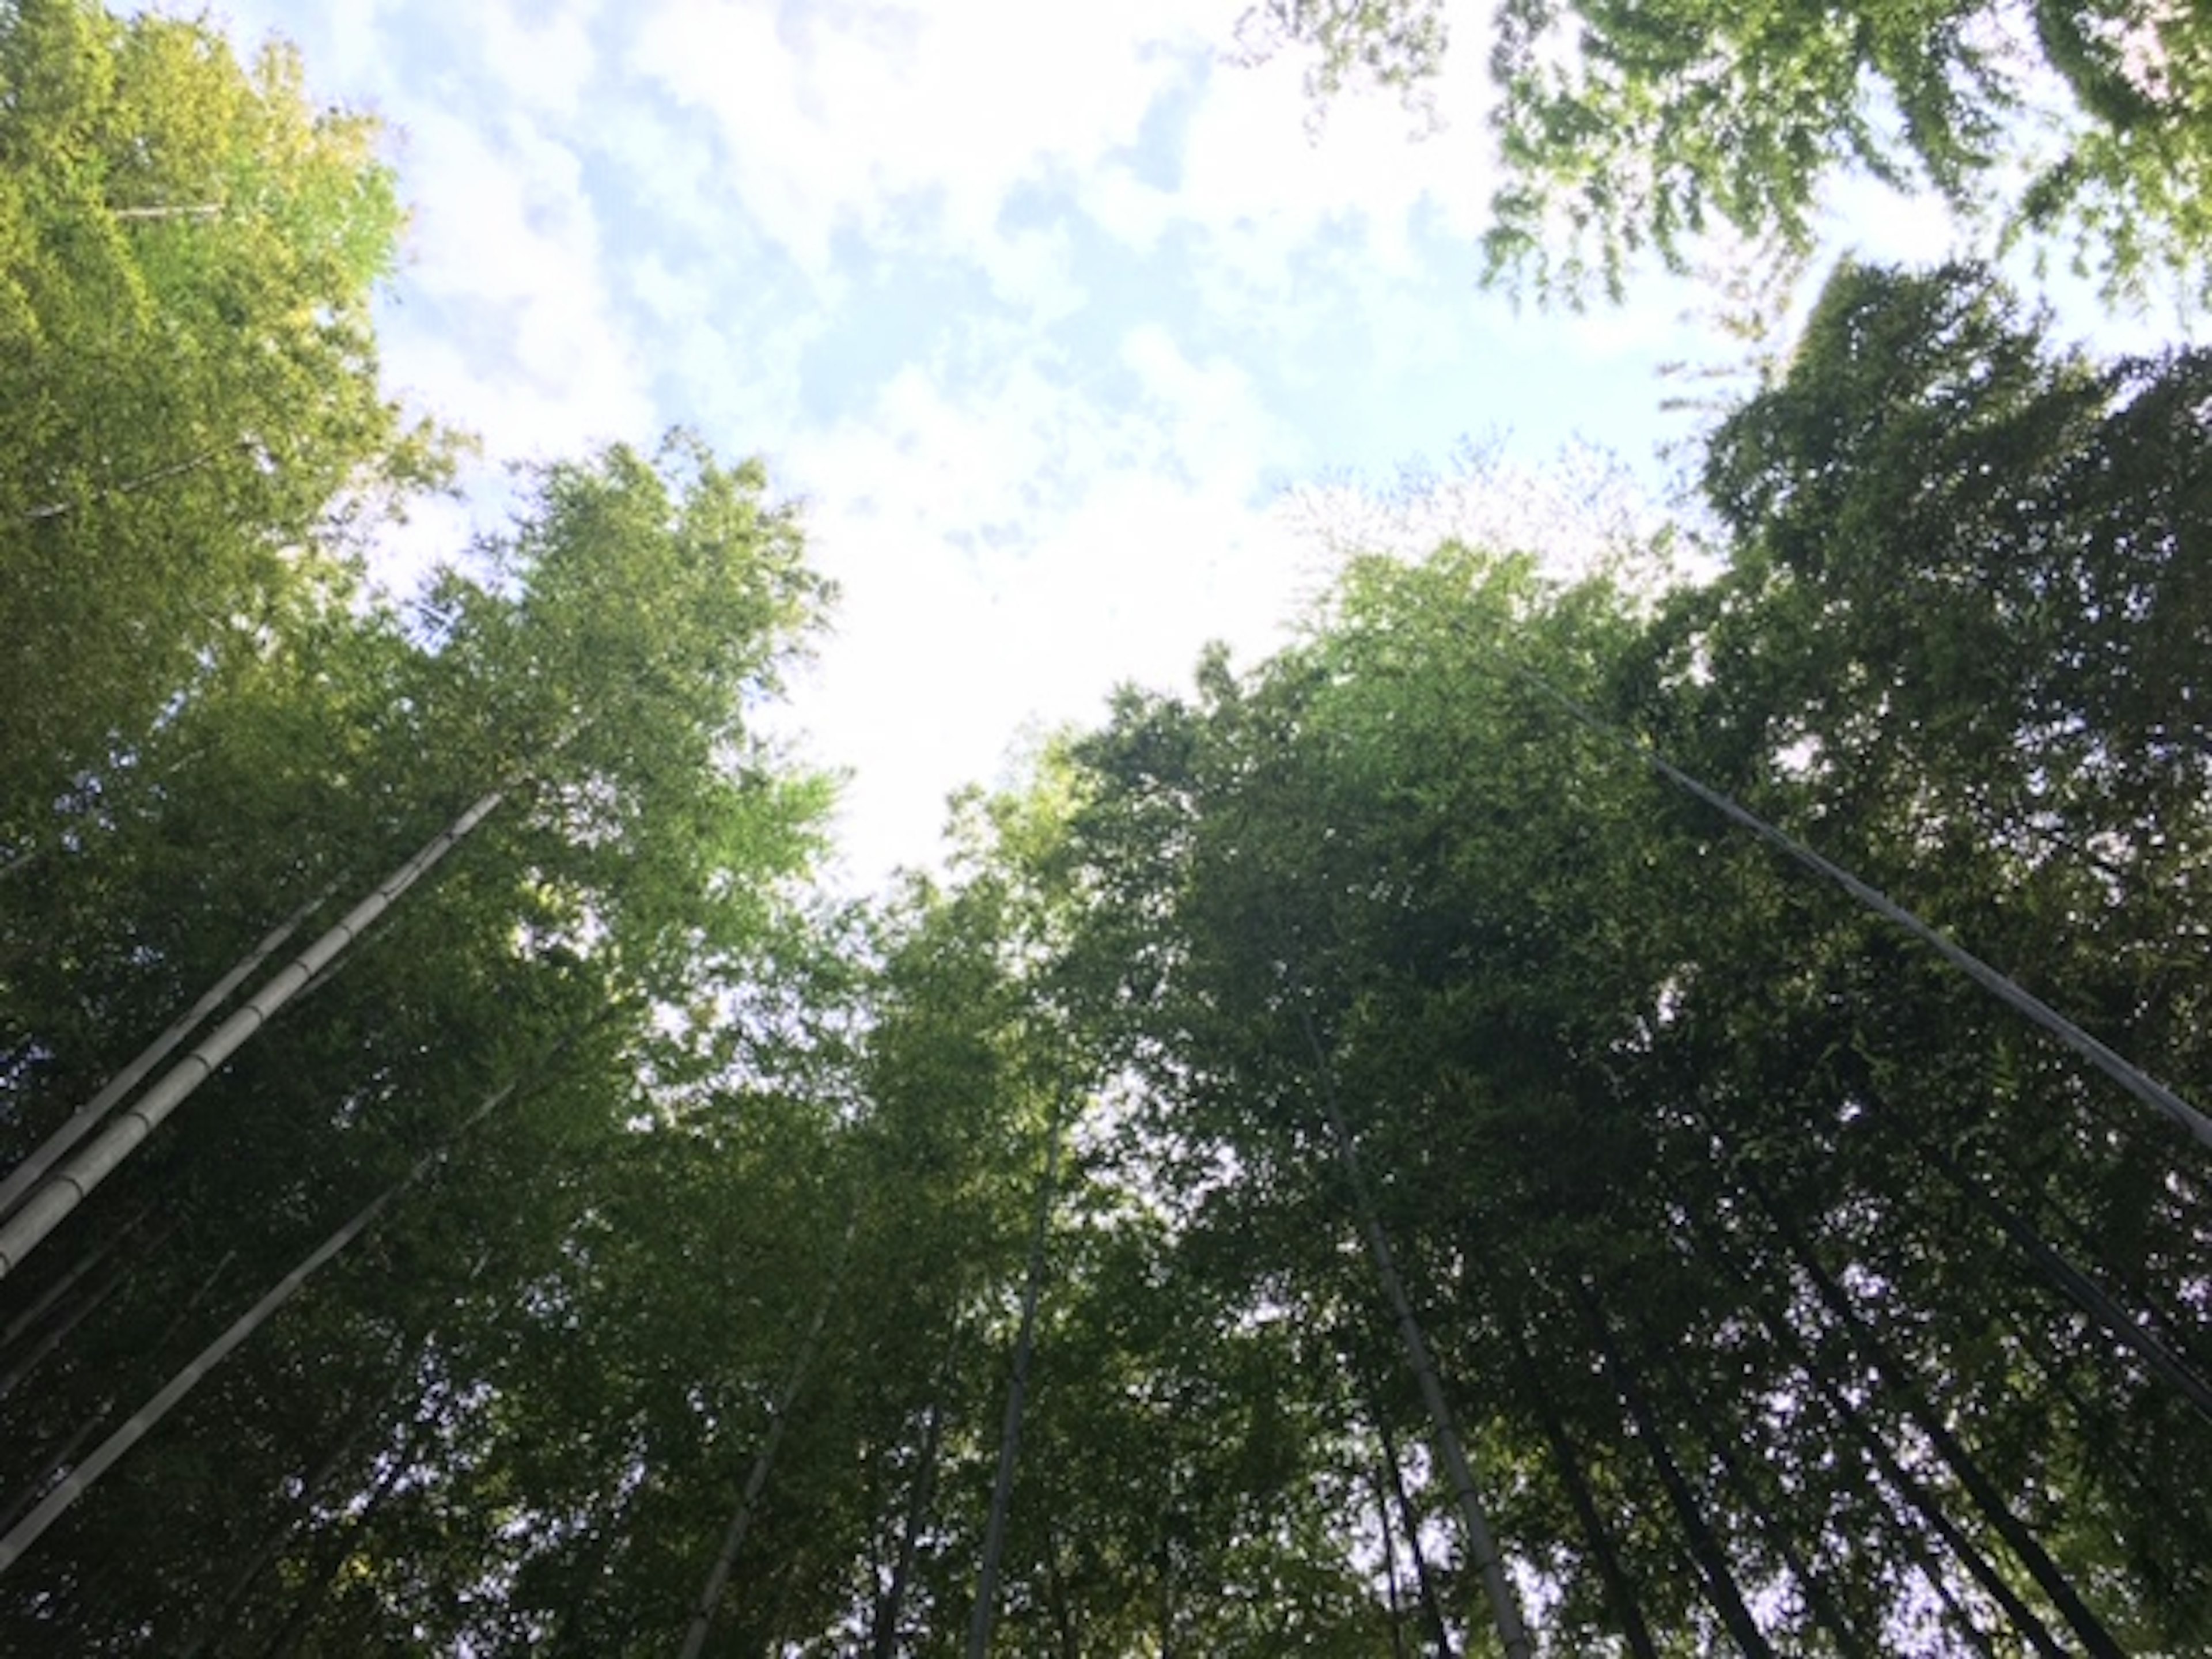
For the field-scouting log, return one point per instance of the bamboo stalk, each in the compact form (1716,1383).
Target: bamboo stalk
(44,1211)
(986,1611)
(82,1122)
(2015,996)
(733,1539)
(1481,1542)
(27,1531)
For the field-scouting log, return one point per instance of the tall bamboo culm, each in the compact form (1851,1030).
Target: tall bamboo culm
(45,1209)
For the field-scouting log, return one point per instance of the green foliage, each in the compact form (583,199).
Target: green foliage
(1747,1241)
(1627,127)
(1356,44)
(187,362)
(514,1370)
(1623,1084)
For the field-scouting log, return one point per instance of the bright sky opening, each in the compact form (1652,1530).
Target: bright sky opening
(1044,312)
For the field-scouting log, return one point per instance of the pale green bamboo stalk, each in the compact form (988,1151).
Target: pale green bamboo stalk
(1481,1542)
(45,1209)
(60,509)
(725,1558)
(2130,1077)
(186,210)
(82,1122)
(56,1504)
(985,1614)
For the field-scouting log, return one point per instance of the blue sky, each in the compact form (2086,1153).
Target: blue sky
(1061,325)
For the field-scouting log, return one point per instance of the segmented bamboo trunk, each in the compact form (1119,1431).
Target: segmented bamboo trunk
(79,1480)
(1389,1567)
(2130,1077)
(2025,1619)
(1883,1463)
(1619,1591)
(2077,1287)
(1963,1466)
(1481,1542)
(1425,1579)
(45,1209)
(1811,1584)
(985,1614)
(1705,1549)
(86,1117)
(219,1612)
(733,1538)
(891,1604)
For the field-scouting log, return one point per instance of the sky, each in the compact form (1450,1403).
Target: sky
(1065,326)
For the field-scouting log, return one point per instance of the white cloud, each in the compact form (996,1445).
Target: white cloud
(1034,271)
(1213,426)
(343,45)
(1009,553)
(833,116)
(671,296)
(543,63)
(1250,162)
(508,240)
(1263,175)
(669,174)
(943,655)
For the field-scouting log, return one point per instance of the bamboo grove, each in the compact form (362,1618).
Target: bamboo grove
(1368,1155)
